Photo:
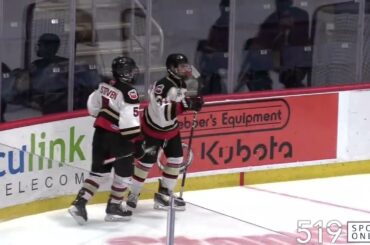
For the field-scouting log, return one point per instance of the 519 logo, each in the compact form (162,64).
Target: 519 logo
(320,232)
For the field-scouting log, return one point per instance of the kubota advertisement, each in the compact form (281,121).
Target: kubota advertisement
(263,132)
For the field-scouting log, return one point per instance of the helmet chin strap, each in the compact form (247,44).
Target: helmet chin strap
(174,74)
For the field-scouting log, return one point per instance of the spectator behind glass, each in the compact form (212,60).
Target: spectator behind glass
(86,80)
(44,86)
(49,76)
(5,70)
(211,58)
(279,46)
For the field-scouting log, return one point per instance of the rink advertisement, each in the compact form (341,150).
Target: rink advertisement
(53,158)
(44,161)
(264,133)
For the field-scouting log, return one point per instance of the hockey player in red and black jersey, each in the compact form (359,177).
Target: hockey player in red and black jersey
(167,99)
(115,106)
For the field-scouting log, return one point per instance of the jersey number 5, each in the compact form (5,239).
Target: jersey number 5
(136,111)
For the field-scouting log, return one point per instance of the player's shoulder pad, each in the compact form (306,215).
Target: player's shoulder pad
(161,87)
(130,94)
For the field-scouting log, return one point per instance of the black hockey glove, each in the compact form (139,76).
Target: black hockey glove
(194,103)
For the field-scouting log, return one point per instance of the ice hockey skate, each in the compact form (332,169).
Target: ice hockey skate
(78,210)
(131,202)
(162,198)
(115,212)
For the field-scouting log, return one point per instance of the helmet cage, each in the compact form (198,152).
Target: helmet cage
(126,73)
(182,70)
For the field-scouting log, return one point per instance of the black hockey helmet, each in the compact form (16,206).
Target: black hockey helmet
(177,64)
(124,69)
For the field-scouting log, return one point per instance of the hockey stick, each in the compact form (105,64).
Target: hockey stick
(149,150)
(113,159)
(189,151)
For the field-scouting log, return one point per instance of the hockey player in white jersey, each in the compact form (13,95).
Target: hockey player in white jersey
(115,106)
(167,99)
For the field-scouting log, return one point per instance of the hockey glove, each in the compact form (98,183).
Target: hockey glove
(141,150)
(194,103)
(139,143)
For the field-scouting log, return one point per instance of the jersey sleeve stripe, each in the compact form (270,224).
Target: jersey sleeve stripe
(111,114)
(173,110)
(131,128)
(130,131)
(166,114)
(157,127)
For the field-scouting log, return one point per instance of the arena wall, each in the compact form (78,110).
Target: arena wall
(237,141)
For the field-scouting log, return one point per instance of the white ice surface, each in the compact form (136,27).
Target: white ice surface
(258,214)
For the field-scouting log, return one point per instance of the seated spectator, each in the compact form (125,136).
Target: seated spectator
(211,54)
(44,86)
(255,68)
(5,70)
(49,76)
(86,80)
(279,47)
(286,33)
